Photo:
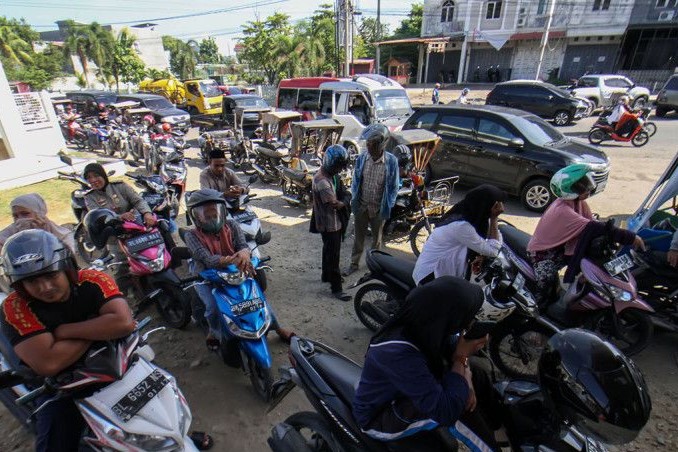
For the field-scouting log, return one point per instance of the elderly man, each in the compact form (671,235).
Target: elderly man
(217,177)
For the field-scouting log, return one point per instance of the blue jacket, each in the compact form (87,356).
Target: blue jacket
(392,183)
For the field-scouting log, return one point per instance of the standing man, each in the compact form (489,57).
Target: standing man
(217,177)
(435,96)
(329,209)
(374,188)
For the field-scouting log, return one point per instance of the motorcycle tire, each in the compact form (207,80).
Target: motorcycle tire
(597,136)
(85,248)
(261,379)
(124,151)
(374,305)
(314,429)
(650,127)
(630,321)
(419,234)
(284,438)
(174,305)
(641,139)
(107,148)
(515,348)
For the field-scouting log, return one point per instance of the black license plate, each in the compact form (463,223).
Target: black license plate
(141,242)
(247,307)
(242,217)
(127,407)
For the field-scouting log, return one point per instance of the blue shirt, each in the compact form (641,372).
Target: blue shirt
(390,191)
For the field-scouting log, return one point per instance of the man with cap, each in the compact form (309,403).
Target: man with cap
(217,177)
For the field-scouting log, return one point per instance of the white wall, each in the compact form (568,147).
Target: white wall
(526,58)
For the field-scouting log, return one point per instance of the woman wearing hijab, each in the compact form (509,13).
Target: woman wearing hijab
(30,212)
(470,230)
(415,380)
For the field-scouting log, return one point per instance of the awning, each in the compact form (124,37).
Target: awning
(496,39)
(536,35)
(431,40)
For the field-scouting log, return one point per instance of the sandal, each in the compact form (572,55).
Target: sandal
(212,343)
(202,440)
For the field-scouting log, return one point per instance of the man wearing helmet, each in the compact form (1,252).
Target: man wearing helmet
(558,237)
(328,204)
(374,189)
(218,177)
(463,96)
(52,317)
(217,242)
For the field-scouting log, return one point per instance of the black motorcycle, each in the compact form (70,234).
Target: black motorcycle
(657,283)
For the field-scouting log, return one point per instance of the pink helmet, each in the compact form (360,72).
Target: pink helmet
(149,120)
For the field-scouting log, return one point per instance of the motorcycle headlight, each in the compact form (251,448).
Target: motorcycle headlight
(233,279)
(151,442)
(235,330)
(619,294)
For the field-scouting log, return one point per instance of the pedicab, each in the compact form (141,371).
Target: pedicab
(273,149)
(247,134)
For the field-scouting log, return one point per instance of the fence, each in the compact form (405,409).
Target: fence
(651,79)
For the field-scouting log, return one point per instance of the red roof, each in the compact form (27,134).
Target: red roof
(305,82)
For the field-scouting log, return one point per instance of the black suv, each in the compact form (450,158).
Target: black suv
(86,102)
(162,109)
(542,99)
(514,150)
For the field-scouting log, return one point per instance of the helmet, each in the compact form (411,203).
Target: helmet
(166,127)
(592,384)
(572,181)
(465,91)
(335,159)
(376,133)
(33,252)
(493,308)
(404,156)
(207,209)
(100,225)
(101,106)
(149,120)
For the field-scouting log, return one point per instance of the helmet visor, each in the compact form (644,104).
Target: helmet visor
(209,217)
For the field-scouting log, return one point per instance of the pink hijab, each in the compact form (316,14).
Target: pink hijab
(561,224)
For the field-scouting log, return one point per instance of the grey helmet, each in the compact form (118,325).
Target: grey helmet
(376,133)
(196,209)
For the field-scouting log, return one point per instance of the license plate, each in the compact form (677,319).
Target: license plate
(619,264)
(144,241)
(242,217)
(127,407)
(519,282)
(247,307)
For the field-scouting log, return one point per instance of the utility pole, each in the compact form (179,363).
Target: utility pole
(545,38)
(348,48)
(378,37)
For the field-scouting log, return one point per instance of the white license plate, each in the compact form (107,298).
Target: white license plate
(519,282)
(619,264)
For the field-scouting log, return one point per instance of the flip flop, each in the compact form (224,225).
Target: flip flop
(212,344)
(202,440)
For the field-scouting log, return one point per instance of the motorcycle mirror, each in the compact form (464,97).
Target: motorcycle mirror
(66,159)
(253,178)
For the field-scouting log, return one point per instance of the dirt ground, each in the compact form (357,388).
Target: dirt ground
(221,398)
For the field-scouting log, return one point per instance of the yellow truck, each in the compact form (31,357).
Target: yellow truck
(198,97)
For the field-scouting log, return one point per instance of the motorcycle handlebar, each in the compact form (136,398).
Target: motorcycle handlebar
(34,394)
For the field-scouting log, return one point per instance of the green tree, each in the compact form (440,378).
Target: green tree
(125,65)
(182,57)
(322,32)
(15,41)
(209,52)
(262,48)
(89,42)
(410,27)
(367,30)
(156,74)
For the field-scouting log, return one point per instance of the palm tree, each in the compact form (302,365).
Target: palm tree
(12,46)
(88,42)
(288,53)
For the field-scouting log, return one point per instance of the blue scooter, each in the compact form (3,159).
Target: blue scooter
(245,319)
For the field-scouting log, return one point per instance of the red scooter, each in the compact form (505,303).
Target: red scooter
(604,131)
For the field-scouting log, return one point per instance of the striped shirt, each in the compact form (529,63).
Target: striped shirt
(373,185)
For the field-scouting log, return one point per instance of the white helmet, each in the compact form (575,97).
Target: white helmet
(494,310)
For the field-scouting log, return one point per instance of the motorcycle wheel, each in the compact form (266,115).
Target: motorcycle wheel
(515,349)
(124,151)
(374,305)
(284,438)
(597,136)
(314,430)
(641,139)
(634,332)
(650,128)
(420,234)
(107,148)
(262,379)
(86,249)
(174,305)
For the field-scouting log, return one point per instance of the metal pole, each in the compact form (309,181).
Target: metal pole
(377,35)
(347,36)
(464,44)
(545,38)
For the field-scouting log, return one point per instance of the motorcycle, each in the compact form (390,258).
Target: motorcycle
(140,142)
(128,402)
(154,192)
(153,279)
(219,140)
(245,319)
(167,159)
(74,133)
(603,298)
(329,381)
(604,131)
(118,141)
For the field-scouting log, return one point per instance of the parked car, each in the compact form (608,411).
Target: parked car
(162,109)
(512,149)
(605,89)
(86,102)
(542,99)
(250,121)
(667,98)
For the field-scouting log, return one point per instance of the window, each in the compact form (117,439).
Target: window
(666,3)
(425,121)
(287,98)
(493,9)
(672,84)
(541,7)
(587,82)
(601,5)
(490,131)
(456,126)
(447,12)
(326,102)
(617,83)
(308,99)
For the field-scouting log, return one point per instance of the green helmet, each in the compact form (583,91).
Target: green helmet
(572,181)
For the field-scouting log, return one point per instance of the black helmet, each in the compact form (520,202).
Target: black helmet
(335,159)
(404,156)
(376,133)
(33,252)
(100,225)
(595,386)
(196,206)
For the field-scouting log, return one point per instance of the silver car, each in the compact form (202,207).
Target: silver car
(667,99)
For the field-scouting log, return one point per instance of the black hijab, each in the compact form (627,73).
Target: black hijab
(476,207)
(431,314)
(96,169)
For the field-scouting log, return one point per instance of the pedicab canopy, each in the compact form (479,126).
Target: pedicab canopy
(422,144)
(315,136)
(276,124)
(664,190)
(252,114)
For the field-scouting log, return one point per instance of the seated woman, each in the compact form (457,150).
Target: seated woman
(562,226)
(216,242)
(470,230)
(415,380)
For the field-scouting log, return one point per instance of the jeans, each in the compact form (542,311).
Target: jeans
(59,426)
(362,220)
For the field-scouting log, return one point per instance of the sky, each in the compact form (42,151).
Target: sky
(224,26)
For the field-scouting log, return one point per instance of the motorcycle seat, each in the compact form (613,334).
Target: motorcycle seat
(274,153)
(342,374)
(516,239)
(400,269)
(294,174)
